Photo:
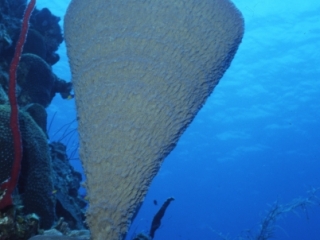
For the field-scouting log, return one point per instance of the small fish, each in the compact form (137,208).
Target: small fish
(84,197)
(155,202)
(70,96)
(54,192)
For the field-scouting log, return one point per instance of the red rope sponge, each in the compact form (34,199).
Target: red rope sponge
(9,185)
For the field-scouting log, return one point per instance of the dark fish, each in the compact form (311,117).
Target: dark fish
(155,202)
(156,222)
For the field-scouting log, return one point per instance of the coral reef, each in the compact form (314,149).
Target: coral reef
(6,145)
(16,226)
(46,24)
(36,164)
(44,37)
(31,72)
(38,114)
(39,54)
(10,184)
(69,205)
(47,187)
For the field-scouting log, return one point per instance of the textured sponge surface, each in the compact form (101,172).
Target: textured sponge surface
(141,72)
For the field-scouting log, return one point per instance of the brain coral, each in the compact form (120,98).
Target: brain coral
(35,183)
(6,146)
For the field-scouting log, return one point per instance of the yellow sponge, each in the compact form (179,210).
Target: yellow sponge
(141,71)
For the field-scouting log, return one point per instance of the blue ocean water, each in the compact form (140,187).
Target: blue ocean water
(256,140)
